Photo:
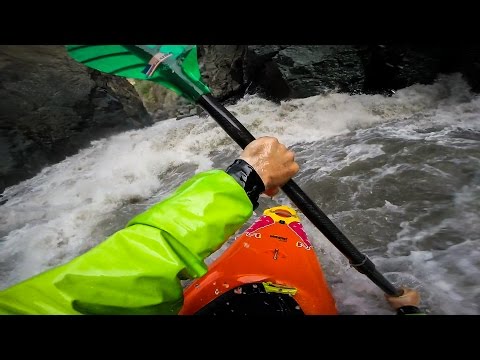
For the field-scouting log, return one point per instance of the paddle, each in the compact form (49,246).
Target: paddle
(176,67)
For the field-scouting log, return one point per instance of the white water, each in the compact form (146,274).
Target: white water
(399,176)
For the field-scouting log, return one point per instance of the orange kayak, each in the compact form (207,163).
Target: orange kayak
(271,267)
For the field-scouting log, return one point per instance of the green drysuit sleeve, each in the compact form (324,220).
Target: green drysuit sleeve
(137,269)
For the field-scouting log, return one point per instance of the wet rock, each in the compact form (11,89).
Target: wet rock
(52,106)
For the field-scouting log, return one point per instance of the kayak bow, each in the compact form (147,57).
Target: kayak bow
(273,255)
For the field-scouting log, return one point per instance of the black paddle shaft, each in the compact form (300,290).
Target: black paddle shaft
(243,137)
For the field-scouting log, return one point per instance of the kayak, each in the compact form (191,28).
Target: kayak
(271,268)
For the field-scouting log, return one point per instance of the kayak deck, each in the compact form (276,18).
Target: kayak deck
(275,255)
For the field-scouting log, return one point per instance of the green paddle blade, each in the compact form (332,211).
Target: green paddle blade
(173,66)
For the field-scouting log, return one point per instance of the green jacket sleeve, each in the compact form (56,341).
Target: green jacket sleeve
(137,269)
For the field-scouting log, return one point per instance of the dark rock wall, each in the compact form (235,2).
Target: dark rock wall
(51,106)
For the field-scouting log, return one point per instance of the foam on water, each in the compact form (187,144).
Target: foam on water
(398,175)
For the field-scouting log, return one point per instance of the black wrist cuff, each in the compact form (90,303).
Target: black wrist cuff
(408,309)
(248,178)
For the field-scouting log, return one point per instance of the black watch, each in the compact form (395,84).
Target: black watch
(248,178)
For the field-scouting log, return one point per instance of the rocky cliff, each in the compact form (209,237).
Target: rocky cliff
(51,106)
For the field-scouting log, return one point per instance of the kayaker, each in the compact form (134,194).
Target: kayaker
(138,269)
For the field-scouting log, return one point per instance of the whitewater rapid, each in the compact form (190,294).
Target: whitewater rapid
(399,175)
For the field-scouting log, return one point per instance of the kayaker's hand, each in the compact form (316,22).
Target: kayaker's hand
(272,161)
(409,297)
